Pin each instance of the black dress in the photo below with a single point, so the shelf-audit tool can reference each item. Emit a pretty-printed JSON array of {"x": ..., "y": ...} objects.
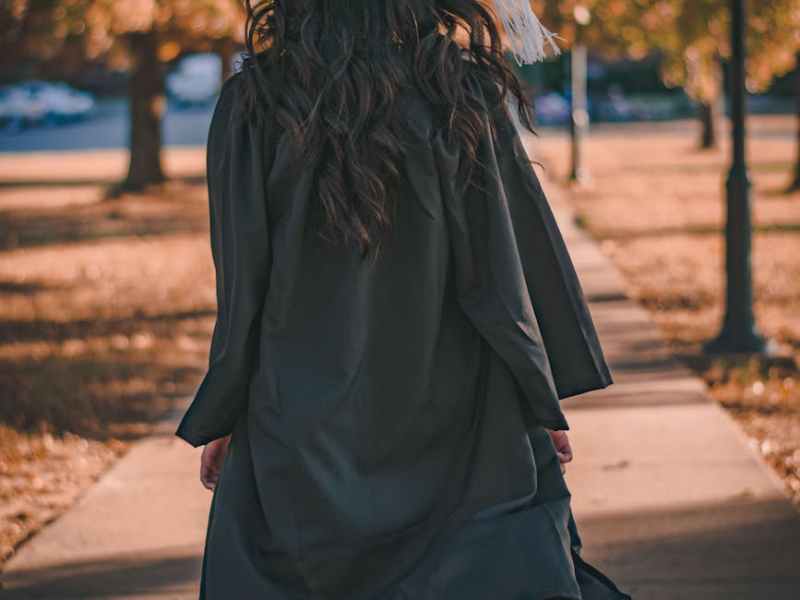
[{"x": 388, "y": 416}]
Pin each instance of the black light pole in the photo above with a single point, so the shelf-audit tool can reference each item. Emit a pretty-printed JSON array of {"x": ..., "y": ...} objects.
[{"x": 739, "y": 332}]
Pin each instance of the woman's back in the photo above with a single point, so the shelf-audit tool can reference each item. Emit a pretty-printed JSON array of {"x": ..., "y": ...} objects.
[{"x": 380, "y": 402}]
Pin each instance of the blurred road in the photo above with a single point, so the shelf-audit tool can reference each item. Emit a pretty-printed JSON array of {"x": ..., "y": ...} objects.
[
  {"x": 188, "y": 127},
  {"x": 108, "y": 129}
]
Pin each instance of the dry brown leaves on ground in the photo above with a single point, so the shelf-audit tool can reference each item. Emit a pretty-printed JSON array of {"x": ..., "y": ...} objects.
[
  {"x": 41, "y": 475},
  {"x": 106, "y": 308}
]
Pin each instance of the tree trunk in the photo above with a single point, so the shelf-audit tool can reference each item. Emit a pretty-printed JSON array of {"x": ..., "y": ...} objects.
[
  {"x": 707, "y": 112},
  {"x": 795, "y": 184},
  {"x": 147, "y": 103},
  {"x": 709, "y": 87}
]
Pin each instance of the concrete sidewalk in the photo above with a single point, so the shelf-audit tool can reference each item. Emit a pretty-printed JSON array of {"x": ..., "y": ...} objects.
[{"x": 670, "y": 499}]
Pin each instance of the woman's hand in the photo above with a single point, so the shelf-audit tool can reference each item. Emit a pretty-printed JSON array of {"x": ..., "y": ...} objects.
[
  {"x": 563, "y": 447},
  {"x": 211, "y": 461}
]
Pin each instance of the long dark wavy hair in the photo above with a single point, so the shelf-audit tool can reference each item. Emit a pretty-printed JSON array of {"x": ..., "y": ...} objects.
[{"x": 330, "y": 73}]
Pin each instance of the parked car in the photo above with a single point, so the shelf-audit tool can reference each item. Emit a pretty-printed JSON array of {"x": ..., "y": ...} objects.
[
  {"x": 195, "y": 80},
  {"x": 615, "y": 107},
  {"x": 18, "y": 109},
  {"x": 551, "y": 109},
  {"x": 31, "y": 103}
]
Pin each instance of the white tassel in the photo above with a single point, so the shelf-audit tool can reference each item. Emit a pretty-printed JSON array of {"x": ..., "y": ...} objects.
[{"x": 526, "y": 34}]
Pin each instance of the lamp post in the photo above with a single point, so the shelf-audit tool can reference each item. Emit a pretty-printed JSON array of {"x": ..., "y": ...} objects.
[
  {"x": 579, "y": 114},
  {"x": 739, "y": 332}
]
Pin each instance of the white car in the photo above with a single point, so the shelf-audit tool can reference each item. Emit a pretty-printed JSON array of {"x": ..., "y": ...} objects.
[
  {"x": 196, "y": 79},
  {"x": 35, "y": 102},
  {"x": 18, "y": 109},
  {"x": 64, "y": 103},
  {"x": 551, "y": 109}
]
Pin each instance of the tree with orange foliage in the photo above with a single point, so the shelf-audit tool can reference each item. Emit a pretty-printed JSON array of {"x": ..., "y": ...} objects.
[
  {"x": 693, "y": 38},
  {"x": 140, "y": 35}
]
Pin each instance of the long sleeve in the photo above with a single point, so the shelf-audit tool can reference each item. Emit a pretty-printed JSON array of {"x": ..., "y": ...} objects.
[
  {"x": 576, "y": 356},
  {"x": 515, "y": 280},
  {"x": 240, "y": 246}
]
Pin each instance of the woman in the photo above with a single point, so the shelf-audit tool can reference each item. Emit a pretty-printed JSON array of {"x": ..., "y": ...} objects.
[{"x": 398, "y": 319}]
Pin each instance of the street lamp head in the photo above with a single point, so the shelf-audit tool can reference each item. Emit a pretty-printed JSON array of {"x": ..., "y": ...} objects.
[{"x": 582, "y": 14}]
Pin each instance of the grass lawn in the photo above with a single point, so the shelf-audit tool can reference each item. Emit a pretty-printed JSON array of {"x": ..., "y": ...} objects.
[
  {"x": 656, "y": 204},
  {"x": 106, "y": 311}
]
